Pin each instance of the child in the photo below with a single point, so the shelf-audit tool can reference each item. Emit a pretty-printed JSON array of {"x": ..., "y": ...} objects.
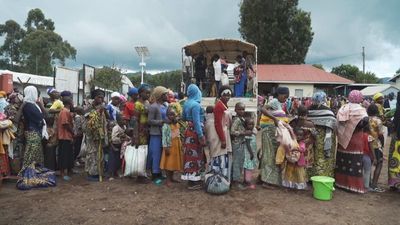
[
  {"x": 238, "y": 132},
  {"x": 78, "y": 133},
  {"x": 368, "y": 157},
  {"x": 172, "y": 158},
  {"x": 294, "y": 173},
  {"x": 250, "y": 159},
  {"x": 118, "y": 136},
  {"x": 65, "y": 138},
  {"x": 210, "y": 131},
  {"x": 50, "y": 145},
  {"x": 376, "y": 133}
]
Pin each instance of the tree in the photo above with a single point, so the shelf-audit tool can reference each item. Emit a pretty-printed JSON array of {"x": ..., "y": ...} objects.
[
  {"x": 169, "y": 79},
  {"x": 37, "y": 49},
  {"x": 10, "y": 50},
  {"x": 281, "y": 31},
  {"x": 107, "y": 78},
  {"x": 42, "y": 46},
  {"x": 319, "y": 66},
  {"x": 347, "y": 71},
  {"x": 352, "y": 72}
]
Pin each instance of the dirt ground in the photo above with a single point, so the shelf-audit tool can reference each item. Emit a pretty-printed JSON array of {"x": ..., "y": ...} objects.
[{"x": 123, "y": 201}]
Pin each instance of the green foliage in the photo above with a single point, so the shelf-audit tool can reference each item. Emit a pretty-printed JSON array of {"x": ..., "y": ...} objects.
[
  {"x": 319, "y": 66},
  {"x": 353, "y": 73},
  {"x": 169, "y": 79},
  {"x": 107, "y": 78},
  {"x": 281, "y": 31},
  {"x": 11, "y": 48},
  {"x": 38, "y": 48}
]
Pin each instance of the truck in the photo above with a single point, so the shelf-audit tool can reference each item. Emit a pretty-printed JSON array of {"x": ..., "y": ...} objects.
[{"x": 229, "y": 50}]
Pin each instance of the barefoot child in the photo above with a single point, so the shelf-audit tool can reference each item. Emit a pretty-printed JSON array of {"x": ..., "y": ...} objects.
[
  {"x": 238, "y": 131},
  {"x": 376, "y": 132},
  {"x": 118, "y": 137},
  {"x": 250, "y": 159},
  {"x": 171, "y": 159}
]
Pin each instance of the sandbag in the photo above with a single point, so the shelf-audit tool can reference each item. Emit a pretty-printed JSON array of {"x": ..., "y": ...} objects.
[
  {"x": 36, "y": 176},
  {"x": 135, "y": 160}
]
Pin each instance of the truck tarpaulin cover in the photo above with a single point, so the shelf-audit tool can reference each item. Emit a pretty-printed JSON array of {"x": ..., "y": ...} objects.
[{"x": 224, "y": 47}]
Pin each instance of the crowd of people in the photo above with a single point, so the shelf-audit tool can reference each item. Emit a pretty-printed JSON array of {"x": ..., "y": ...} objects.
[
  {"x": 211, "y": 75},
  {"x": 299, "y": 140}
]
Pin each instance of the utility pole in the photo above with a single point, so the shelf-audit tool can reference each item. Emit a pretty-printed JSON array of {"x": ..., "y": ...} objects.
[{"x": 363, "y": 55}]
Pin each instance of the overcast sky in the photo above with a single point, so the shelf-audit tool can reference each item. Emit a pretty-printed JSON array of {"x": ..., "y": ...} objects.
[{"x": 105, "y": 31}]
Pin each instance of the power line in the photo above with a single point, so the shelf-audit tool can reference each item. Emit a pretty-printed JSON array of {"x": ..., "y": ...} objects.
[{"x": 334, "y": 58}]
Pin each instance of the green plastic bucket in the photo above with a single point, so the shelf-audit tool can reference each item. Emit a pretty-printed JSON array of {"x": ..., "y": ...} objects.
[{"x": 323, "y": 187}]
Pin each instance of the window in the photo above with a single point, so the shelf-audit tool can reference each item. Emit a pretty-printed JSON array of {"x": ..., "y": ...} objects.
[{"x": 298, "y": 93}]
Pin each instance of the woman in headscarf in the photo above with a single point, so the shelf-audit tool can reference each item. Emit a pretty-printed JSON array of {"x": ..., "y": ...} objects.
[
  {"x": 113, "y": 106},
  {"x": 220, "y": 145},
  {"x": 352, "y": 119},
  {"x": 193, "y": 159},
  {"x": 95, "y": 129},
  {"x": 394, "y": 151},
  {"x": 33, "y": 122},
  {"x": 156, "y": 117},
  {"x": 272, "y": 113},
  {"x": 323, "y": 159}
]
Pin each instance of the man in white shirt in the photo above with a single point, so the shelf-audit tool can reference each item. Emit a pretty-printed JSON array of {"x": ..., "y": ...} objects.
[{"x": 217, "y": 70}]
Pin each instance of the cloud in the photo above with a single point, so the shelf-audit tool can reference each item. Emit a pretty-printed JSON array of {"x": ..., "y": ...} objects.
[
  {"x": 343, "y": 27},
  {"x": 105, "y": 31}
]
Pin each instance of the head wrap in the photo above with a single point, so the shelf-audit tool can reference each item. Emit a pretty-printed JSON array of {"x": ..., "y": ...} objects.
[
  {"x": 158, "y": 92},
  {"x": 133, "y": 91},
  {"x": 122, "y": 98},
  {"x": 3, "y": 94},
  {"x": 194, "y": 93},
  {"x": 65, "y": 94},
  {"x": 31, "y": 94},
  {"x": 115, "y": 94},
  {"x": 97, "y": 92},
  {"x": 143, "y": 87},
  {"x": 319, "y": 98},
  {"x": 282, "y": 91},
  {"x": 51, "y": 90},
  {"x": 224, "y": 90},
  {"x": 356, "y": 96},
  {"x": 377, "y": 96}
]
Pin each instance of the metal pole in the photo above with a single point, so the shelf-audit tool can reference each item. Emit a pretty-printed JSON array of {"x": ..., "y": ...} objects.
[
  {"x": 142, "y": 64},
  {"x": 363, "y": 55}
]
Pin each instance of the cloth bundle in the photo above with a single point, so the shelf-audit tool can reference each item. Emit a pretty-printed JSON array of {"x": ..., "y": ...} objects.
[{"x": 36, "y": 176}]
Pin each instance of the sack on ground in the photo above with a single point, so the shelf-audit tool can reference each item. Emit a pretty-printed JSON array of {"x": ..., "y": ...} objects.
[
  {"x": 135, "y": 160},
  {"x": 36, "y": 176},
  {"x": 216, "y": 183}
]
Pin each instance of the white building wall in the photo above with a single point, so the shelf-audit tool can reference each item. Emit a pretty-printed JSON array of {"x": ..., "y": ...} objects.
[{"x": 307, "y": 90}]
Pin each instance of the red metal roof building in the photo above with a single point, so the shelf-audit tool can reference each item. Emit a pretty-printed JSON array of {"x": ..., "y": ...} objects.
[{"x": 302, "y": 80}]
